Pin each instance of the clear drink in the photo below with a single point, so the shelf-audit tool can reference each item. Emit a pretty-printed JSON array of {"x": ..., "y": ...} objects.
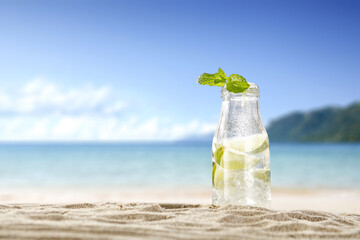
[{"x": 241, "y": 154}]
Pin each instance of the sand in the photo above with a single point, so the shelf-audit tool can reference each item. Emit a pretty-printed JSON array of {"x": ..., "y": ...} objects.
[
  {"x": 170, "y": 221},
  {"x": 111, "y": 213},
  {"x": 332, "y": 200}
]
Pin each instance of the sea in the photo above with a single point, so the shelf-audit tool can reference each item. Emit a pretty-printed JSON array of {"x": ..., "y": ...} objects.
[{"x": 168, "y": 164}]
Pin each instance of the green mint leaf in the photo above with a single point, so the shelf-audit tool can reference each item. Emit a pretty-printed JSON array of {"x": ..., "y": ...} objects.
[
  {"x": 211, "y": 79},
  {"x": 222, "y": 73},
  {"x": 236, "y": 78},
  {"x": 236, "y": 83}
]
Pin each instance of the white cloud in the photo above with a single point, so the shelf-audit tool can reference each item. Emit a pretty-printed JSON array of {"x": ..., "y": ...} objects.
[
  {"x": 4, "y": 101},
  {"x": 115, "y": 108},
  {"x": 44, "y": 111},
  {"x": 73, "y": 128},
  {"x": 41, "y": 96}
]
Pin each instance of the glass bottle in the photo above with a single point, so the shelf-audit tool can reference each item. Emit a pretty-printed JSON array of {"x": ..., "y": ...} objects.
[{"x": 241, "y": 152}]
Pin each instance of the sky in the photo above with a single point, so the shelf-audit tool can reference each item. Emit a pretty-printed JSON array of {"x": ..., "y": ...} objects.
[{"x": 127, "y": 70}]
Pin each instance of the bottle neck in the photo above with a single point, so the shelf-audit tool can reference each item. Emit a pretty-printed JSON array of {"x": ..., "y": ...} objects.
[
  {"x": 242, "y": 110},
  {"x": 240, "y": 116}
]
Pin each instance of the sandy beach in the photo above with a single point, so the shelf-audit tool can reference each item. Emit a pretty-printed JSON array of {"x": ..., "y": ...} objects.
[
  {"x": 80, "y": 213},
  {"x": 333, "y": 200},
  {"x": 170, "y": 221}
]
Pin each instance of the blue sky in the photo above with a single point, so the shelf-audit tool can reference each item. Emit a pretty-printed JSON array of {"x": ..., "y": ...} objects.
[{"x": 126, "y": 70}]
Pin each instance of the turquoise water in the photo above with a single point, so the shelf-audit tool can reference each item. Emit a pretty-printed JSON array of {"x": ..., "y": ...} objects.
[{"x": 168, "y": 164}]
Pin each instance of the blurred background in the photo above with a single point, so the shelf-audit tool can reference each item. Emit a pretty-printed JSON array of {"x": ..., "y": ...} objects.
[{"x": 99, "y": 99}]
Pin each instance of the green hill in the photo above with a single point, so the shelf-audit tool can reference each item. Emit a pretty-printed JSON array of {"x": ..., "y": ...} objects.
[{"x": 323, "y": 125}]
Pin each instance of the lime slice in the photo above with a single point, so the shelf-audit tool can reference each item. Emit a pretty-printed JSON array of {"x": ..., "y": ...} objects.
[
  {"x": 235, "y": 160},
  {"x": 264, "y": 146},
  {"x": 252, "y": 144},
  {"x": 237, "y": 154},
  {"x": 218, "y": 145},
  {"x": 218, "y": 154},
  {"x": 213, "y": 172},
  {"x": 218, "y": 177},
  {"x": 262, "y": 174}
]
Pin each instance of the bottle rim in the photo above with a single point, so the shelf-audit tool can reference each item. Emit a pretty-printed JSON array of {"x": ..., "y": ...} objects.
[{"x": 252, "y": 91}]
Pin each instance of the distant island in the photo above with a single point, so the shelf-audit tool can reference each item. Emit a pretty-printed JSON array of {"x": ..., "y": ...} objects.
[{"x": 330, "y": 124}]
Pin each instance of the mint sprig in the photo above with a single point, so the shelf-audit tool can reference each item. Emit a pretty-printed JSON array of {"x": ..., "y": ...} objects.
[{"x": 234, "y": 83}]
